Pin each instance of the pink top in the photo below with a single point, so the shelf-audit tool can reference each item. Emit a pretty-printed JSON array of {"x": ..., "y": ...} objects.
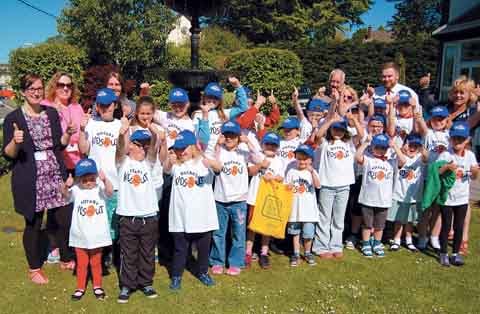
[{"x": 74, "y": 113}]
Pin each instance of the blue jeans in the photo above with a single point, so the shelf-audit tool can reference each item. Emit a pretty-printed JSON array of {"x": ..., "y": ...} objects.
[
  {"x": 328, "y": 234},
  {"x": 236, "y": 213}
]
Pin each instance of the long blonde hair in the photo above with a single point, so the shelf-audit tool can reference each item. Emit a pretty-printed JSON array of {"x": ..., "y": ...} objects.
[
  {"x": 465, "y": 85},
  {"x": 52, "y": 88}
]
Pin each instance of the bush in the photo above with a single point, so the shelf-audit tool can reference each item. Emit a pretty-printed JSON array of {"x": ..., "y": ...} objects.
[
  {"x": 159, "y": 92},
  {"x": 266, "y": 70},
  {"x": 4, "y": 164},
  {"x": 46, "y": 59}
]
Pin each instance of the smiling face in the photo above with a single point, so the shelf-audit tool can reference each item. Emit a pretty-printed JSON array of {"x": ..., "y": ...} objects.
[
  {"x": 212, "y": 102},
  {"x": 404, "y": 110},
  {"x": 389, "y": 78},
  {"x": 34, "y": 93},
  {"x": 337, "y": 133},
  {"x": 106, "y": 112},
  {"x": 114, "y": 83},
  {"x": 179, "y": 109},
  {"x": 63, "y": 91},
  {"x": 303, "y": 161},
  {"x": 375, "y": 127},
  {"x": 411, "y": 149},
  {"x": 458, "y": 143},
  {"x": 460, "y": 97},
  {"x": 269, "y": 149},
  {"x": 138, "y": 150},
  {"x": 336, "y": 81},
  {"x": 231, "y": 140},
  {"x": 379, "y": 151},
  {"x": 290, "y": 134},
  {"x": 144, "y": 114},
  {"x": 314, "y": 117},
  {"x": 184, "y": 154},
  {"x": 88, "y": 181},
  {"x": 438, "y": 123}
]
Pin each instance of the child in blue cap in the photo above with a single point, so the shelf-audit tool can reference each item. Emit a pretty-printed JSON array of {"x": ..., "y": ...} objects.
[
  {"x": 137, "y": 211},
  {"x": 89, "y": 231},
  {"x": 463, "y": 163},
  {"x": 316, "y": 111}
]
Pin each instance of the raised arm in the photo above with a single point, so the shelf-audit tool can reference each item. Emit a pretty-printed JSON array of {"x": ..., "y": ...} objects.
[
  {"x": 108, "y": 185},
  {"x": 360, "y": 154},
  {"x": 152, "y": 149},
  {"x": 122, "y": 141},
  {"x": 296, "y": 104},
  {"x": 392, "y": 119},
  {"x": 401, "y": 158},
  {"x": 83, "y": 144}
]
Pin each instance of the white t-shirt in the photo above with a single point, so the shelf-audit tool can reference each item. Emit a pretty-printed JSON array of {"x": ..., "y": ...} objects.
[
  {"x": 306, "y": 130},
  {"x": 89, "y": 228},
  {"x": 336, "y": 163},
  {"x": 275, "y": 168},
  {"x": 136, "y": 194},
  {"x": 460, "y": 192},
  {"x": 231, "y": 185},
  {"x": 286, "y": 152},
  {"x": 403, "y": 124},
  {"x": 377, "y": 182},
  {"x": 214, "y": 125},
  {"x": 436, "y": 142},
  {"x": 304, "y": 203},
  {"x": 192, "y": 204},
  {"x": 172, "y": 125},
  {"x": 408, "y": 180},
  {"x": 103, "y": 138}
]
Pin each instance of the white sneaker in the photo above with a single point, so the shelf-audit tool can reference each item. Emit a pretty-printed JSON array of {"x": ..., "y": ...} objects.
[
  {"x": 435, "y": 243},
  {"x": 351, "y": 243}
]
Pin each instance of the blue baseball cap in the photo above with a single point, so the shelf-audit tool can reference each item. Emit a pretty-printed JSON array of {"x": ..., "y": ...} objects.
[
  {"x": 340, "y": 125},
  {"x": 380, "y": 103},
  {"x": 184, "y": 138},
  {"x": 439, "y": 111},
  {"x": 213, "y": 90},
  {"x": 140, "y": 136},
  {"x": 85, "y": 166},
  {"x": 378, "y": 117},
  {"x": 231, "y": 127},
  {"x": 460, "y": 129},
  {"x": 305, "y": 149},
  {"x": 414, "y": 138},
  {"x": 290, "y": 123},
  {"x": 381, "y": 140},
  {"x": 404, "y": 97},
  {"x": 105, "y": 97},
  {"x": 178, "y": 95},
  {"x": 271, "y": 138},
  {"x": 317, "y": 105}
]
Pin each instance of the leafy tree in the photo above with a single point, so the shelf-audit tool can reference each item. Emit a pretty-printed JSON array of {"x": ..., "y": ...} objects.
[
  {"x": 359, "y": 35},
  {"x": 45, "y": 60},
  {"x": 415, "y": 17},
  {"x": 128, "y": 33},
  {"x": 266, "y": 21}
]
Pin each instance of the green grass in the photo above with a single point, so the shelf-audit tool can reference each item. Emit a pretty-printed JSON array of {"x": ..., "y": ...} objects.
[{"x": 402, "y": 282}]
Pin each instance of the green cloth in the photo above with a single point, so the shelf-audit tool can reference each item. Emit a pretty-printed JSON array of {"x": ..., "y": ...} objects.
[{"x": 436, "y": 185}]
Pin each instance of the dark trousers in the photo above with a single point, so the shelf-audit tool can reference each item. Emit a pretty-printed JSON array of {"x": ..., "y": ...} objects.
[
  {"x": 58, "y": 224},
  {"x": 182, "y": 242},
  {"x": 138, "y": 238},
  {"x": 459, "y": 212}
]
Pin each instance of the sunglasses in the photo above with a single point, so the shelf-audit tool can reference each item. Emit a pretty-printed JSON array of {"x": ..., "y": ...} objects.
[
  {"x": 63, "y": 85},
  {"x": 349, "y": 97}
]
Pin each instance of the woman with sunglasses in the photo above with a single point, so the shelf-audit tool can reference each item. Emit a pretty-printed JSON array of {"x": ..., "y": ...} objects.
[{"x": 34, "y": 142}]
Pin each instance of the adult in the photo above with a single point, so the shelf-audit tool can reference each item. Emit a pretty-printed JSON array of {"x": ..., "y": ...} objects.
[
  {"x": 62, "y": 94},
  {"x": 114, "y": 81},
  {"x": 33, "y": 141},
  {"x": 336, "y": 83}
]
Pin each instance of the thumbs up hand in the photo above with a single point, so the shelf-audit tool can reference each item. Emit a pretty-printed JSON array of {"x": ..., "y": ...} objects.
[
  {"x": 85, "y": 119},
  {"x": 17, "y": 134}
]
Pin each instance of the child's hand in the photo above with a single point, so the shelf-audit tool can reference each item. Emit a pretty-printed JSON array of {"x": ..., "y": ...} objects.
[
  {"x": 261, "y": 100},
  {"x": 221, "y": 140},
  {"x": 271, "y": 98},
  {"x": 204, "y": 107},
  {"x": 102, "y": 176},
  {"x": 17, "y": 134},
  {"x": 86, "y": 117},
  {"x": 295, "y": 95},
  {"x": 321, "y": 91},
  {"x": 161, "y": 135},
  {"x": 370, "y": 90},
  {"x": 268, "y": 177},
  {"x": 69, "y": 182},
  {"x": 172, "y": 157},
  {"x": 369, "y": 138},
  {"x": 243, "y": 139},
  {"x": 278, "y": 178},
  {"x": 125, "y": 124},
  {"x": 235, "y": 82},
  {"x": 418, "y": 115}
]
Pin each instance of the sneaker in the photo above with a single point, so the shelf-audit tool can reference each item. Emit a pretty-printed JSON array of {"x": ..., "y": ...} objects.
[
  {"x": 412, "y": 247},
  {"x": 206, "y": 280},
  {"x": 367, "y": 249},
  {"x": 444, "y": 260},
  {"x": 217, "y": 269},
  {"x": 124, "y": 295},
  {"x": 310, "y": 258},
  {"x": 248, "y": 260},
  {"x": 149, "y": 292},
  {"x": 264, "y": 261},
  {"x": 175, "y": 283},
  {"x": 378, "y": 249},
  {"x": 294, "y": 260},
  {"x": 351, "y": 242},
  {"x": 435, "y": 243},
  {"x": 422, "y": 243},
  {"x": 233, "y": 271},
  {"x": 53, "y": 256},
  {"x": 457, "y": 260}
]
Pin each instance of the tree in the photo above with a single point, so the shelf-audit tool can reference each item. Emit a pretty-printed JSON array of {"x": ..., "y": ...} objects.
[
  {"x": 415, "y": 17},
  {"x": 359, "y": 36},
  {"x": 266, "y": 21},
  {"x": 128, "y": 33}
]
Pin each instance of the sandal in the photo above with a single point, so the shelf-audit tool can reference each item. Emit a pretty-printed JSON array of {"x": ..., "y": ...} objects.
[
  {"x": 394, "y": 247},
  {"x": 412, "y": 247},
  {"x": 367, "y": 251},
  {"x": 99, "y": 293},
  {"x": 463, "y": 248},
  {"x": 37, "y": 276},
  {"x": 77, "y": 295}
]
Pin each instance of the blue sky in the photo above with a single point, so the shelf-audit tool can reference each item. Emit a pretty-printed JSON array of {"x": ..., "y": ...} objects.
[{"x": 21, "y": 24}]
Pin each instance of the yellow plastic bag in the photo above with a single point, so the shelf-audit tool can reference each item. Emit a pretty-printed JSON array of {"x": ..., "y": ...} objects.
[{"x": 272, "y": 209}]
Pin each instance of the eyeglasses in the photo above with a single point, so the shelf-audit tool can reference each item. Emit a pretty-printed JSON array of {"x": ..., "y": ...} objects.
[
  {"x": 32, "y": 90},
  {"x": 63, "y": 85}
]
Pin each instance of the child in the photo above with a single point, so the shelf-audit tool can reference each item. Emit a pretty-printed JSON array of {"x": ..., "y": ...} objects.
[
  {"x": 407, "y": 191},
  {"x": 336, "y": 175},
  {"x": 192, "y": 214},
  {"x": 270, "y": 169},
  {"x": 316, "y": 111},
  {"x": 463, "y": 162},
  {"x": 289, "y": 143},
  {"x": 436, "y": 142},
  {"x": 401, "y": 119},
  {"x": 376, "y": 191},
  {"x": 89, "y": 231},
  {"x": 137, "y": 211},
  {"x": 304, "y": 180},
  {"x": 231, "y": 190}
]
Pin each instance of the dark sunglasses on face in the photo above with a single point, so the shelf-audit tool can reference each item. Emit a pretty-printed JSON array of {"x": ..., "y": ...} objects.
[{"x": 63, "y": 85}]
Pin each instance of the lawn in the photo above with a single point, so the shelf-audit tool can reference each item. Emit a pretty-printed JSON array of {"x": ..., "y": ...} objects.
[{"x": 402, "y": 282}]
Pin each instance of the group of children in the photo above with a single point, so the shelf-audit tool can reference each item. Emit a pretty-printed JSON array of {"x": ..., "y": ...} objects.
[{"x": 210, "y": 168}]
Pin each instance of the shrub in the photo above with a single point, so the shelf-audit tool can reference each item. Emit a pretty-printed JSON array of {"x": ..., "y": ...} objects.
[{"x": 159, "y": 92}]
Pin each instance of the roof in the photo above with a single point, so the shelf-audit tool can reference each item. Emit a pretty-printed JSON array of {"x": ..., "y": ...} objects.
[
  {"x": 379, "y": 35},
  {"x": 463, "y": 27}
]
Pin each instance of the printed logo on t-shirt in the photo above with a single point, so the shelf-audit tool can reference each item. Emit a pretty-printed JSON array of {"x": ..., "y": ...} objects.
[
  {"x": 461, "y": 174},
  {"x": 407, "y": 174},
  {"x": 301, "y": 186},
  {"x": 215, "y": 128},
  {"x": 233, "y": 168},
  {"x": 104, "y": 139},
  {"x": 338, "y": 152},
  {"x": 379, "y": 173},
  {"x": 189, "y": 179},
  {"x": 287, "y": 152},
  {"x": 135, "y": 177},
  {"x": 173, "y": 131},
  {"x": 90, "y": 208}
]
